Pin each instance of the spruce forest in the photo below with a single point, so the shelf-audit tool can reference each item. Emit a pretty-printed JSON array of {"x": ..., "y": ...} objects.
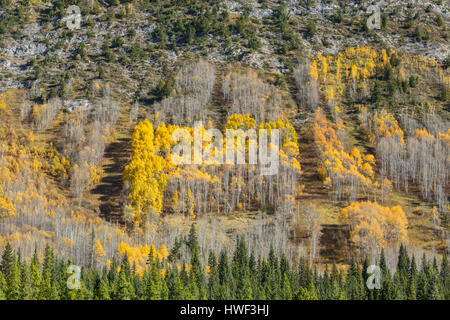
[{"x": 118, "y": 117}]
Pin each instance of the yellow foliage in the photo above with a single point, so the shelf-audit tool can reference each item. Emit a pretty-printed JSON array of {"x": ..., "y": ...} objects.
[
  {"x": 60, "y": 166},
  {"x": 139, "y": 255},
  {"x": 95, "y": 174},
  {"x": 99, "y": 252},
  {"x": 7, "y": 207},
  {"x": 374, "y": 226},
  {"x": 313, "y": 71},
  {"x": 152, "y": 168},
  {"x": 146, "y": 172},
  {"x": 68, "y": 242},
  {"x": 163, "y": 252},
  {"x": 2, "y": 105},
  {"x": 342, "y": 170},
  {"x": 385, "y": 125},
  {"x": 190, "y": 200},
  {"x": 347, "y": 67}
]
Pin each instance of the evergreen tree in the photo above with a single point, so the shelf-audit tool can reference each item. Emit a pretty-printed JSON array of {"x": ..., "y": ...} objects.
[
  {"x": 164, "y": 290},
  {"x": 152, "y": 283},
  {"x": 241, "y": 277},
  {"x": 192, "y": 291},
  {"x": 179, "y": 291},
  {"x": 47, "y": 288},
  {"x": 423, "y": 280},
  {"x": 65, "y": 292},
  {"x": 225, "y": 277},
  {"x": 369, "y": 293},
  {"x": 196, "y": 266},
  {"x": 387, "y": 291},
  {"x": 104, "y": 290},
  {"x": 214, "y": 281},
  {"x": 411, "y": 293},
  {"x": 287, "y": 291},
  {"x": 171, "y": 281},
  {"x": 123, "y": 287},
  {"x": 14, "y": 283},
  {"x": 26, "y": 289},
  {"x": 125, "y": 265},
  {"x": 445, "y": 277},
  {"x": 412, "y": 273},
  {"x": 401, "y": 279},
  {"x": 241, "y": 271},
  {"x": 433, "y": 288},
  {"x": 35, "y": 280},
  {"x": 112, "y": 272},
  {"x": 48, "y": 265},
  {"x": 305, "y": 294},
  {"x": 336, "y": 289},
  {"x": 7, "y": 260},
  {"x": 138, "y": 284},
  {"x": 354, "y": 282},
  {"x": 403, "y": 260},
  {"x": 3, "y": 287}
]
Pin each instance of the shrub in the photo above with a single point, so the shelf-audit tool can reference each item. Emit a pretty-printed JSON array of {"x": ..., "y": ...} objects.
[
  {"x": 311, "y": 29},
  {"x": 164, "y": 88},
  {"x": 254, "y": 43},
  {"x": 384, "y": 21}
]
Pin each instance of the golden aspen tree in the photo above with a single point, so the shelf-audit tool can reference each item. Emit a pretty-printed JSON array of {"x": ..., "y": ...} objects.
[
  {"x": 314, "y": 74},
  {"x": 95, "y": 174},
  {"x": 373, "y": 226},
  {"x": 145, "y": 173},
  {"x": 175, "y": 201},
  {"x": 3, "y": 105},
  {"x": 98, "y": 251},
  {"x": 7, "y": 208},
  {"x": 347, "y": 174}
]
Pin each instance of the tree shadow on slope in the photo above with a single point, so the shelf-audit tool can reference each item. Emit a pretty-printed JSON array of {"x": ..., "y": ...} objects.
[{"x": 110, "y": 188}]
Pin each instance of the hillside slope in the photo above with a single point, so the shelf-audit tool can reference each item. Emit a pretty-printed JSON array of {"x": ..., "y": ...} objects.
[{"x": 82, "y": 92}]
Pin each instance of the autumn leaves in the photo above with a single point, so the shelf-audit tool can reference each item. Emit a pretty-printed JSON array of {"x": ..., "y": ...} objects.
[
  {"x": 349, "y": 175},
  {"x": 158, "y": 183},
  {"x": 147, "y": 172},
  {"x": 413, "y": 154},
  {"x": 412, "y": 157},
  {"x": 374, "y": 226},
  {"x": 7, "y": 208},
  {"x": 220, "y": 175}
]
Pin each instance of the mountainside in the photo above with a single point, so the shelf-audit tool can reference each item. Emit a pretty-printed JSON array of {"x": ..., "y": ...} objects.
[{"x": 87, "y": 116}]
